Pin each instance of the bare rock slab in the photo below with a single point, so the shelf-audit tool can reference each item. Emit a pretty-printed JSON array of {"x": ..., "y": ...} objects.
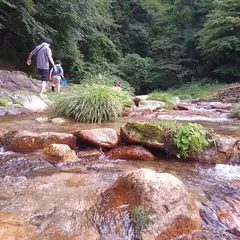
[
  {"x": 99, "y": 137},
  {"x": 175, "y": 211}
]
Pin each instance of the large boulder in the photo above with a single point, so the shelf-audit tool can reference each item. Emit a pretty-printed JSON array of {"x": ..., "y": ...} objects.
[
  {"x": 14, "y": 228},
  {"x": 56, "y": 153},
  {"x": 150, "y": 105},
  {"x": 222, "y": 149},
  {"x": 174, "y": 210},
  {"x": 142, "y": 133},
  {"x": 100, "y": 137},
  {"x": 131, "y": 153},
  {"x": 21, "y": 141},
  {"x": 139, "y": 98}
]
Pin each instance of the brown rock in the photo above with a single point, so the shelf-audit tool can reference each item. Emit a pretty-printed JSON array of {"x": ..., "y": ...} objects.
[
  {"x": 127, "y": 111},
  {"x": 139, "y": 98},
  {"x": 21, "y": 141},
  {"x": 182, "y": 107},
  {"x": 14, "y": 228},
  {"x": 136, "y": 137},
  {"x": 229, "y": 219},
  {"x": 175, "y": 211},
  {"x": 131, "y": 153},
  {"x": 2, "y": 132},
  {"x": 56, "y": 153},
  {"x": 221, "y": 150},
  {"x": 100, "y": 137},
  {"x": 90, "y": 154}
]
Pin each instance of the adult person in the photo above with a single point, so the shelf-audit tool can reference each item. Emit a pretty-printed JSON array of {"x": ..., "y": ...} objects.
[{"x": 43, "y": 53}]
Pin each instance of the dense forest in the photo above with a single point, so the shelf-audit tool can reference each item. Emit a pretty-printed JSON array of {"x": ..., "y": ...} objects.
[{"x": 153, "y": 44}]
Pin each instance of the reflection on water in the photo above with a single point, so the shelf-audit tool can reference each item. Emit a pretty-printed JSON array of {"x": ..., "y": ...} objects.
[{"x": 70, "y": 201}]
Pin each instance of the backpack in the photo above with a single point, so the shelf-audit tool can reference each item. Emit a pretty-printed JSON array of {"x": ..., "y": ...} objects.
[{"x": 59, "y": 70}]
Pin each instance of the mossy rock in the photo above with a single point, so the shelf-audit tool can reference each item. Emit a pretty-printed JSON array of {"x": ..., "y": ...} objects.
[{"x": 148, "y": 134}]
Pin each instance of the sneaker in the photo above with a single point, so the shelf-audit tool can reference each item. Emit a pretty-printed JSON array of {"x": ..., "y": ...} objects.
[{"x": 53, "y": 88}]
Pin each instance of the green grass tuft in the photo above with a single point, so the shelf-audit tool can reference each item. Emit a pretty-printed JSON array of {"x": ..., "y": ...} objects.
[
  {"x": 235, "y": 112},
  {"x": 4, "y": 102},
  {"x": 89, "y": 103},
  {"x": 164, "y": 97}
]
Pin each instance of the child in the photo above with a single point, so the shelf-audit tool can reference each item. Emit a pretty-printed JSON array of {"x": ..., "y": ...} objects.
[
  {"x": 55, "y": 76},
  {"x": 118, "y": 84}
]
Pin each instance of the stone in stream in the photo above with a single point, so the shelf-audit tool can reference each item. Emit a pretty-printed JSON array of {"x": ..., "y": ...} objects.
[
  {"x": 131, "y": 153},
  {"x": 22, "y": 141},
  {"x": 92, "y": 154},
  {"x": 220, "y": 150},
  {"x": 100, "y": 137},
  {"x": 142, "y": 133},
  {"x": 2, "y": 132},
  {"x": 14, "y": 228},
  {"x": 174, "y": 210},
  {"x": 56, "y": 153}
]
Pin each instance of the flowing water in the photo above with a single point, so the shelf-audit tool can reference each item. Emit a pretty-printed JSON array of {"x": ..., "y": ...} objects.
[{"x": 72, "y": 201}]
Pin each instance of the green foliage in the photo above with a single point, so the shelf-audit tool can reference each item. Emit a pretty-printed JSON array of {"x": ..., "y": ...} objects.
[
  {"x": 235, "y": 112},
  {"x": 190, "y": 138},
  {"x": 136, "y": 71},
  {"x": 88, "y": 103},
  {"x": 201, "y": 89},
  {"x": 3, "y": 102},
  {"x": 140, "y": 218},
  {"x": 220, "y": 37}
]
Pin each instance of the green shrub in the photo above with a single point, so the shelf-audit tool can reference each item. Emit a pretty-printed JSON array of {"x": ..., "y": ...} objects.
[
  {"x": 190, "y": 138},
  {"x": 3, "y": 102},
  {"x": 140, "y": 218},
  {"x": 89, "y": 103},
  {"x": 235, "y": 112}
]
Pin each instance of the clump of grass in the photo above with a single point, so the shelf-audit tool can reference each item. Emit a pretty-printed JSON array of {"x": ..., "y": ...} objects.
[
  {"x": 201, "y": 89},
  {"x": 140, "y": 218},
  {"x": 4, "y": 102},
  {"x": 124, "y": 97},
  {"x": 235, "y": 112},
  {"x": 88, "y": 103},
  {"x": 165, "y": 97}
]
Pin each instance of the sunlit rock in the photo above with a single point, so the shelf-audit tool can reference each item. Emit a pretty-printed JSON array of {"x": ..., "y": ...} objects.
[
  {"x": 131, "y": 153},
  {"x": 42, "y": 119},
  {"x": 174, "y": 210},
  {"x": 150, "y": 105},
  {"x": 142, "y": 133},
  {"x": 56, "y": 153},
  {"x": 100, "y": 137},
  {"x": 21, "y": 141},
  {"x": 14, "y": 228},
  {"x": 127, "y": 111},
  {"x": 59, "y": 120}
]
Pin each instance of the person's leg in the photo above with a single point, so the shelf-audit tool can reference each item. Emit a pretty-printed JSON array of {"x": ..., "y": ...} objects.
[
  {"x": 44, "y": 77},
  {"x": 58, "y": 80}
]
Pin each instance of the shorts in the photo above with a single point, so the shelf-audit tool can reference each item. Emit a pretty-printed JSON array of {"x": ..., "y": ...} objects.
[
  {"x": 56, "y": 79},
  {"x": 44, "y": 74}
]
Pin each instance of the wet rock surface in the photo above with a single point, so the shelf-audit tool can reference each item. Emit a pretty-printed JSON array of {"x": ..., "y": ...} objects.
[
  {"x": 21, "y": 141},
  {"x": 131, "y": 153},
  {"x": 175, "y": 211},
  {"x": 101, "y": 137},
  {"x": 56, "y": 153}
]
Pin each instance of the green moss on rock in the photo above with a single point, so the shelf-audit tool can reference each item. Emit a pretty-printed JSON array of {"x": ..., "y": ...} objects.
[{"x": 148, "y": 131}]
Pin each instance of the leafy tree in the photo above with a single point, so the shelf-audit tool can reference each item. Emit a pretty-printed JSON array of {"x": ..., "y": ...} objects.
[
  {"x": 136, "y": 70},
  {"x": 220, "y": 38}
]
